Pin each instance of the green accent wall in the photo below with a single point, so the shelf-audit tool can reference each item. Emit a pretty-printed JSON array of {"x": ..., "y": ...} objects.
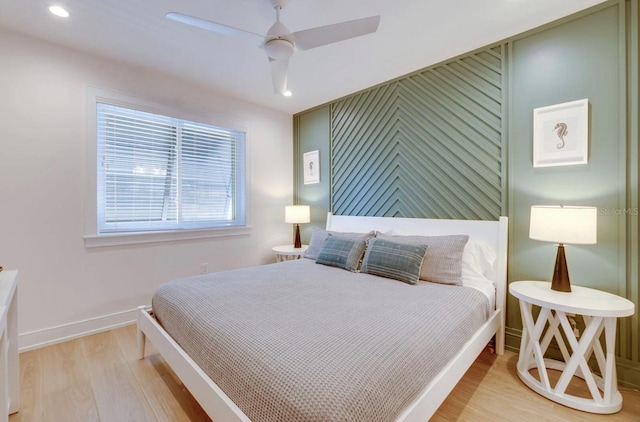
[
  {"x": 579, "y": 59},
  {"x": 428, "y": 145},
  {"x": 313, "y": 126},
  {"x": 455, "y": 141}
]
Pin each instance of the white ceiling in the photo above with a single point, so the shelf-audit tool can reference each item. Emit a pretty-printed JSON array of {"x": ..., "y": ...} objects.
[{"x": 413, "y": 34}]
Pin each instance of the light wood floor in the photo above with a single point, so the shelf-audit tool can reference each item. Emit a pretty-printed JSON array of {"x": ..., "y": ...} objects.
[{"x": 99, "y": 378}]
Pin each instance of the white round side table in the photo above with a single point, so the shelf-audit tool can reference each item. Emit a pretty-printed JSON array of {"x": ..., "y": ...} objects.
[
  {"x": 288, "y": 252},
  {"x": 599, "y": 311}
]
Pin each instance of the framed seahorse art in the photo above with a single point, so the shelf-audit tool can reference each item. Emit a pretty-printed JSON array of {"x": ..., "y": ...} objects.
[
  {"x": 311, "y": 167},
  {"x": 561, "y": 134}
]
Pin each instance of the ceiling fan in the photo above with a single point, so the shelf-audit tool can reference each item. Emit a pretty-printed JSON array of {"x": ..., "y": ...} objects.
[{"x": 279, "y": 43}]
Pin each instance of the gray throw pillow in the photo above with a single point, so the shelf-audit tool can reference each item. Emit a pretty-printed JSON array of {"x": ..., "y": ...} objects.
[
  {"x": 399, "y": 261},
  {"x": 443, "y": 260},
  {"x": 342, "y": 252},
  {"x": 318, "y": 236}
]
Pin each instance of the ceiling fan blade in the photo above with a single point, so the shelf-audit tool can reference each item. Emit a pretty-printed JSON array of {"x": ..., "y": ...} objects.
[
  {"x": 215, "y": 27},
  {"x": 323, "y": 35},
  {"x": 279, "y": 74}
]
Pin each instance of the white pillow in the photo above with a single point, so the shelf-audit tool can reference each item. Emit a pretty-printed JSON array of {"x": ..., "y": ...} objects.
[{"x": 478, "y": 259}]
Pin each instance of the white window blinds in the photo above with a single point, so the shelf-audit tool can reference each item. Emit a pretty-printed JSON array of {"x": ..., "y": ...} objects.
[{"x": 159, "y": 173}]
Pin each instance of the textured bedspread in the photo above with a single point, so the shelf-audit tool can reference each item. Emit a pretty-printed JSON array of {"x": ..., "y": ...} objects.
[{"x": 298, "y": 341}]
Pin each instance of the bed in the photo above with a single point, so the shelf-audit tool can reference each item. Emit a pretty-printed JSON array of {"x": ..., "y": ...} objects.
[{"x": 302, "y": 341}]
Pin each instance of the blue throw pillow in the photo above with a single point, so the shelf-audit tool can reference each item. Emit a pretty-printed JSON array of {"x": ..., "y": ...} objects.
[
  {"x": 399, "y": 261},
  {"x": 342, "y": 252}
]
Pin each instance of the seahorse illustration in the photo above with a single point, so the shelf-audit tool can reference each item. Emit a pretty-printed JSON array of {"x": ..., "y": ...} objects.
[{"x": 562, "y": 132}]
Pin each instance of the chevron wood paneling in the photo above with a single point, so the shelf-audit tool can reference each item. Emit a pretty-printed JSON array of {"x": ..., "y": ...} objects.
[{"x": 427, "y": 145}]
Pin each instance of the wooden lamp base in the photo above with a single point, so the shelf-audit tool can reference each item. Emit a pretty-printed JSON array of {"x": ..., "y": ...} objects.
[
  {"x": 297, "y": 243},
  {"x": 560, "y": 281}
]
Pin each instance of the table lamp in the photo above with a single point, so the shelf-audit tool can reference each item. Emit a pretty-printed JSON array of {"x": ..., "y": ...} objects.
[
  {"x": 563, "y": 224},
  {"x": 297, "y": 214}
]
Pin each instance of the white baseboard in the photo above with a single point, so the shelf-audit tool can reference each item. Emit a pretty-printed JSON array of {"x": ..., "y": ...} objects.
[{"x": 61, "y": 333}]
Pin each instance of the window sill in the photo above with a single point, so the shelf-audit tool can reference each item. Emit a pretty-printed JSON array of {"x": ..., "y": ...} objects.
[{"x": 94, "y": 241}]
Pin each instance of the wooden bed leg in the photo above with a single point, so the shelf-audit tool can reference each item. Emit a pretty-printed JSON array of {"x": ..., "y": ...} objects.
[{"x": 140, "y": 335}]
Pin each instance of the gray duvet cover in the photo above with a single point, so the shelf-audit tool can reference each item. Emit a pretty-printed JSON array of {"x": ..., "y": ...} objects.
[{"x": 299, "y": 341}]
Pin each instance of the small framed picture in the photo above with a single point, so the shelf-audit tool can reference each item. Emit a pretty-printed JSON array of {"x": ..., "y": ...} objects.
[
  {"x": 561, "y": 134},
  {"x": 311, "y": 163}
]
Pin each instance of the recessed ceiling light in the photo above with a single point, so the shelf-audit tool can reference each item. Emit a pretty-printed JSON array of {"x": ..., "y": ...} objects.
[
  {"x": 59, "y": 11},
  {"x": 287, "y": 93}
]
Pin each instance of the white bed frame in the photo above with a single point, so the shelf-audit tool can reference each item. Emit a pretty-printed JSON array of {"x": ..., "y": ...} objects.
[{"x": 219, "y": 407}]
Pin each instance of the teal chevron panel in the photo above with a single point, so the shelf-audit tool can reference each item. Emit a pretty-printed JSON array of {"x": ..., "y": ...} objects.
[{"x": 427, "y": 145}]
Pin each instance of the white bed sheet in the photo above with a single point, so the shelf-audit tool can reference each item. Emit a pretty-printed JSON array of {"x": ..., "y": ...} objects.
[{"x": 483, "y": 285}]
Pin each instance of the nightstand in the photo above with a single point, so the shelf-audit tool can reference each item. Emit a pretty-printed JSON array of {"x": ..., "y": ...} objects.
[
  {"x": 599, "y": 311},
  {"x": 288, "y": 252}
]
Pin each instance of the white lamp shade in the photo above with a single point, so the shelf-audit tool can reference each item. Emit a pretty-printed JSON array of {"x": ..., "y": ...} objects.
[
  {"x": 297, "y": 214},
  {"x": 564, "y": 224}
]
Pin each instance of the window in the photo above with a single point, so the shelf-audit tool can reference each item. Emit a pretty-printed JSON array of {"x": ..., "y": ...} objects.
[{"x": 158, "y": 173}]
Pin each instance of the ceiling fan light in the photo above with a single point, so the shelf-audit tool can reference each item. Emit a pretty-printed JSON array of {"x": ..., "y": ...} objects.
[
  {"x": 59, "y": 11},
  {"x": 287, "y": 93},
  {"x": 278, "y": 49}
]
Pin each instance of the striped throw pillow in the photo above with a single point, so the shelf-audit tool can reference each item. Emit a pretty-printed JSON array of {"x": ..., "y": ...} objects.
[
  {"x": 342, "y": 252},
  {"x": 399, "y": 261}
]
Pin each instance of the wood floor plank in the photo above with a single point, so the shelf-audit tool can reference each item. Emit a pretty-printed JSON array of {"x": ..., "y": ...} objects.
[
  {"x": 491, "y": 390},
  {"x": 150, "y": 367},
  {"x": 66, "y": 387},
  {"x": 170, "y": 400},
  {"x": 30, "y": 387},
  {"x": 118, "y": 395},
  {"x": 102, "y": 372}
]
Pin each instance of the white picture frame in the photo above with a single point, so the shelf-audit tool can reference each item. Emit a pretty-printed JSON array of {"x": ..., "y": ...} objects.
[
  {"x": 311, "y": 167},
  {"x": 561, "y": 134}
]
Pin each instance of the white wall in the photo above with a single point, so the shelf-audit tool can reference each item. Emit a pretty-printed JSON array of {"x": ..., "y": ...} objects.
[{"x": 66, "y": 290}]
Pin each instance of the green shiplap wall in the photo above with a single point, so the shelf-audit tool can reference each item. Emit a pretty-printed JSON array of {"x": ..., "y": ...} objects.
[
  {"x": 428, "y": 145},
  {"x": 455, "y": 141}
]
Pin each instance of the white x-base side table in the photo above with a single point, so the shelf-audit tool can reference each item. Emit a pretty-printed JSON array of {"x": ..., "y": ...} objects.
[
  {"x": 599, "y": 311},
  {"x": 288, "y": 252}
]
